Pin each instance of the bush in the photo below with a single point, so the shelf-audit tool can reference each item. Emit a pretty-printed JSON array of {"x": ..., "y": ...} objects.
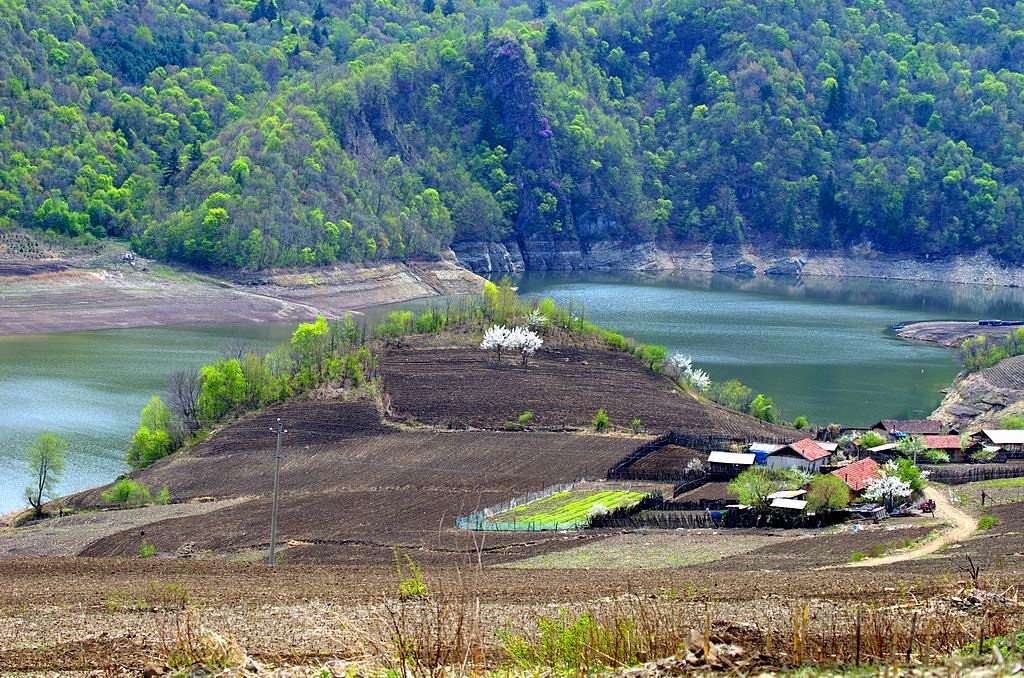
[
  {"x": 987, "y": 522},
  {"x": 163, "y": 497},
  {"x": 636, "y": 425},
  {"x": 600, "y": 420},
  {"x": 411, "y": 583},
  {"x": 871, "y": 439},
  {"x": 525, "y": 418},
  {"x": 616, "y": 341},
  {"x": 127, "y": 492},
  {"x": 858, "y": 556},
  {"x": 146, "y": 550},
  {"x": 827, "y": 493},
  {"x": 985, "y": 455},
  {"x": 801, "y": 423},
  {"x": 936, "y": 457}
]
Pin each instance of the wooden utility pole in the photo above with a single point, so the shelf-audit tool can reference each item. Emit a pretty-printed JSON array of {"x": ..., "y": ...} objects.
[{"x": 280, "y": 431}]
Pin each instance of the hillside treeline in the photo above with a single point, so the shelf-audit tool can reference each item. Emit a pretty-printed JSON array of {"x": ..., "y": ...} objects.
[{"x": 281, "y": 132}]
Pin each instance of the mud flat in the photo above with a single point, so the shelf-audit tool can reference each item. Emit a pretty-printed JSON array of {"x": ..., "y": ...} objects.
[
  {"x": 37, "y": 299},
  {"x": 952, "y": 333}
]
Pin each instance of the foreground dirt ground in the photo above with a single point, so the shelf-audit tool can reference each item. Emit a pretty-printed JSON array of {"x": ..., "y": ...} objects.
[{"x": 79, "y": 615}]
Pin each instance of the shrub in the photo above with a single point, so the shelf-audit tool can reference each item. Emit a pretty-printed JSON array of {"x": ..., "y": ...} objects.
[
  {"x": 636, "y": 425},
  {"x": 987, "y": 522},
  {"x": 801, "y": 423},
  {"x": 163, "y": 497},
  {"x": 600, "y": 420},
  {"x": 525, "y": 418},
  {"x": 871, "y": 439},
  {"x": 616, "y": 341},
  {"x": 127, "y": 492},
  {"x": 985, "y": 454},
  {"x": 146, "y": 550},
  {"x": 936, "y": 457},
  {"x": 876, "y": 551},
  {"x": 411, "y": 583},
  {"x": 828, "y": 493},
  {"x": 858, "y": 556}
]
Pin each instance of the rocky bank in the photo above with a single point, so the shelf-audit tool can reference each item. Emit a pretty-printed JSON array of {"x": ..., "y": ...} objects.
[
  {"x": 983, "y": 399},
  {"x": 748, "y": 259}
]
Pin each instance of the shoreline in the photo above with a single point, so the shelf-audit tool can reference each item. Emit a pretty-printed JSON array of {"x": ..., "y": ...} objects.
[
  {"x": 123, "y": 295},
  {"x": 742, "y": 260}
]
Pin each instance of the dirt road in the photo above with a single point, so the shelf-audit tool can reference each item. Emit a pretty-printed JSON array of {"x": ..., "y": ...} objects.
[{"x": 963, "y": 527}]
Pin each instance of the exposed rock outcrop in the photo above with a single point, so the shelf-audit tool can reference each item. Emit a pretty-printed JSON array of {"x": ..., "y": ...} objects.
[
  {"x": 489, "y": 257},
  {"x": 791, "y": 266}
]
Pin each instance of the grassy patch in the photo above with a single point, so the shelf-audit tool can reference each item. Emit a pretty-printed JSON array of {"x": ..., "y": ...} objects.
[
  {"x": 987, "y": 522},
  {"x": 1001, "y": 483},
  {"x": 656, "y": 549}
]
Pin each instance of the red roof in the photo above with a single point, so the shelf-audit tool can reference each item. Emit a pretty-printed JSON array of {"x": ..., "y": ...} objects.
[
  {"x": 859, "y": 474},
  {"x": 808, "y": 449},
  {"x": 942, "y": 442}
]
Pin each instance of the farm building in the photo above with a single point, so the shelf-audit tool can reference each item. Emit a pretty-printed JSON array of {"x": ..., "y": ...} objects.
[
  {"x": 762, "y": 450},
  {"x": 732, "y": 463},
  {"x": 1008, "y": 439},
  {"x": 948, "y": 444},
  {"x": 804, "y": 454},
  {"x": 858, "y": 475},
  {"x": 901, "y": 427}
]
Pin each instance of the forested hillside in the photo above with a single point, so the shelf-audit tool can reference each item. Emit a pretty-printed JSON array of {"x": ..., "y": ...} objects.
[{"x": 282, "y": 132}]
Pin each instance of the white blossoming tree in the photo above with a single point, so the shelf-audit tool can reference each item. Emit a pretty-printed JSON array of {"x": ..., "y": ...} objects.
[
  {"x": 525, "y": 341},
  {"x": 888, "y": 489},
  {"x": 495, "y": 339},
  {"x": 679, "y": 365},
  {"x": 537, "y": 321},
  {"x": 699, "y": 380}
]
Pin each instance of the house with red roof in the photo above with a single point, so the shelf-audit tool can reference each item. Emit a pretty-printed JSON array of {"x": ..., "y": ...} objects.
[
  {"x": 858, "y": 475},
  {"x": 804, "y": 454}
]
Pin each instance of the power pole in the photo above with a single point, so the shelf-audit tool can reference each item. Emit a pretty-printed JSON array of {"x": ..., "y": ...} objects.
[{"x": 280, "y": 431}]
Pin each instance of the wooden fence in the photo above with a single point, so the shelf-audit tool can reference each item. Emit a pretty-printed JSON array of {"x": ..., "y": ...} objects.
[{"x": 978, "y": 473}]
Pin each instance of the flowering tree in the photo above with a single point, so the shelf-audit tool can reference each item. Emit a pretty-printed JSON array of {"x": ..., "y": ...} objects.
[
  {"x": 699, "y": 380},
  {"x": 681, "y": 367},
  {"x": 495, "y": 339},
  {"x": 890, "y": 486},
  {"x": 525, "y": 341},
  {"x": 537, "y": 320}
]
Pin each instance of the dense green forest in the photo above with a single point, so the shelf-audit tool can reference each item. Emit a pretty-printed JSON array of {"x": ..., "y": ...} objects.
[{"x": 283, "y": 132}]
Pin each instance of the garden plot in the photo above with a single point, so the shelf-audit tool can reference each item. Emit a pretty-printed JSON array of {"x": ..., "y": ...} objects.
[{"x": 564, "y": 510}]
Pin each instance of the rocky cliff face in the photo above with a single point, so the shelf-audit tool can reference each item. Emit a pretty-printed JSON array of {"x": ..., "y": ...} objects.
[
  {"x": 538, "y": 253},
  {"x": 489, "y": 257}
]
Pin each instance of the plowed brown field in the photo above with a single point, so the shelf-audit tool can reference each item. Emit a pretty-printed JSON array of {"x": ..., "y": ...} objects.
[
  {"x": 354, "y": 489},
  {"x": 564, "y": 386}
]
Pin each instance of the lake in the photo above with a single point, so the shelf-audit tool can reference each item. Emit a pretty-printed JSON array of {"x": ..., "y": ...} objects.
[{"x": 820, "y": 347}]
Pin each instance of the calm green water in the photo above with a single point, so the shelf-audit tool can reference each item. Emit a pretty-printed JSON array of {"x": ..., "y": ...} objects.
[
  {"x": 88, "y": 387},
  {"x": 820, "y": 348}
]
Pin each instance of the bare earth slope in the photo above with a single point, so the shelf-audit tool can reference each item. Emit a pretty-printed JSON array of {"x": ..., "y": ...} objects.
[
  {"x": 353, "y": 489},
  {"x": 110, "y": 293},
  {"x": 564, "y": 386}
]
